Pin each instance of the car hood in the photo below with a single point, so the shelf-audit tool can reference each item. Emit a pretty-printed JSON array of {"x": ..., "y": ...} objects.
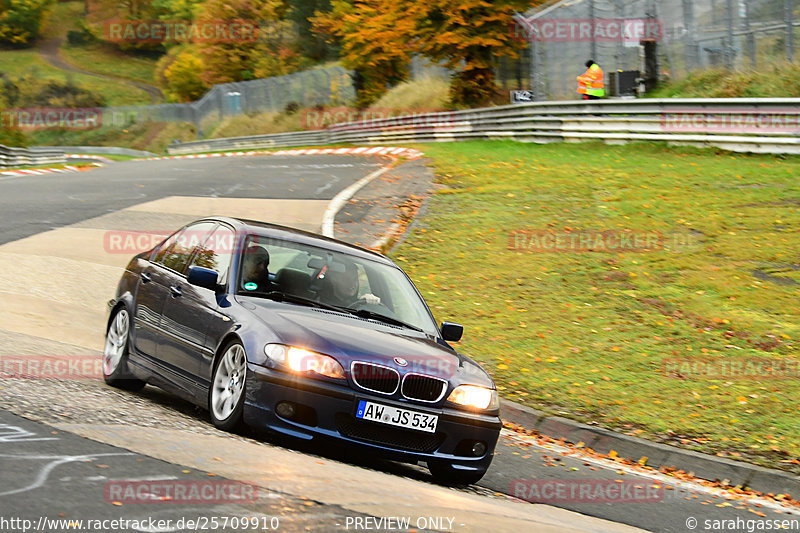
[{"x": 349, "y": 338}]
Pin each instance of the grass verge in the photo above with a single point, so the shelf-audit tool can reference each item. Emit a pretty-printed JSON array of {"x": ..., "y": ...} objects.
[
  {"x": 22, "y": 64},
  {"x": 149, "y": 136},
  {"x": 106, "y": 60},
  {"x": 591, "y": 334},
  {"x": 778, "y": 81}
]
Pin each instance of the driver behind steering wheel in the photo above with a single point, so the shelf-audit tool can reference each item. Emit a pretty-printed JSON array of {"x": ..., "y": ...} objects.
[{"x": 343, "y": 287}]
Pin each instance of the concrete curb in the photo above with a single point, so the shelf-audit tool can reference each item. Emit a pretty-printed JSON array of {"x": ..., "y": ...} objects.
[
  {"x": 603, "y": 441},
  {"x": 421, "y": 212},
  {"x": 408, "y": 153},
  {"x": 38, "y": 171},
  {"x": 338, "y": 201}
]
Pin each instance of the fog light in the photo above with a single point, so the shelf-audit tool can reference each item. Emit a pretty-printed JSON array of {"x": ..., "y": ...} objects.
[
  {"x": 478, "y": 449},
  {"x": 285, "y": 410}
]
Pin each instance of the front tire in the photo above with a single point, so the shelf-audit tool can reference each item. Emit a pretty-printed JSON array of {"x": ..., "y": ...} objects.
[
  {"x": 445, "y": 474},
  {"x": 115, "y": 353},
  {"x": 226, "y": 397}
]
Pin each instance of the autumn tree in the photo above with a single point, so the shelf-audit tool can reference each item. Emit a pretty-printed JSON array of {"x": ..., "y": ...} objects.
[
  {"x": 310, "y": 44},
  {"x": 21, "y": 20},
  {"x": 375, "y": 38},
  {"x": 271, "y": 54},
  {"x": 179, "y": 73},
  {"x": 177, "y": 10},
  {"x": 466, "y": 35},
  {"x": 10, "y": 135},
  {"x": 101, "y": 13}
]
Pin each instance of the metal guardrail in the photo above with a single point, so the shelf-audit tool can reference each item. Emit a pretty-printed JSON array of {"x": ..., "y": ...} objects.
[
  {"x": 18, "y": 157},
  {"x": 760, "y": 125},
  {"x": 96, "y": 150},
  {"x": 295, "y": 138}
]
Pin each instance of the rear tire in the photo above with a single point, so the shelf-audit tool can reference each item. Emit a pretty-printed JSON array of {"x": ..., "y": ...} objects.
[
  {"x": 226, "y": 396},
  {"x": 115, "y": 354},
  {"x": 445, "y": 474}
]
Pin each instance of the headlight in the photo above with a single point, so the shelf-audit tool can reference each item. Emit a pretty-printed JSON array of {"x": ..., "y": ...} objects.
[
  {"x": 474, "y": 396},
  {"x": 304, "y": 361}
]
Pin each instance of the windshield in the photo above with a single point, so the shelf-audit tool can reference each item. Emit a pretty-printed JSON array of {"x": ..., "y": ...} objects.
[{"x": 332, "y": 279}]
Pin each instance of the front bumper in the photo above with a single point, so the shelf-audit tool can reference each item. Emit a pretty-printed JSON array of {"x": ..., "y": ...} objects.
[{"x": 326, "y": 411}]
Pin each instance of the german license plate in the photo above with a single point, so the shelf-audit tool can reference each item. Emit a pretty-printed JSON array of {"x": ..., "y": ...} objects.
[{"x": 395, "y": 416}]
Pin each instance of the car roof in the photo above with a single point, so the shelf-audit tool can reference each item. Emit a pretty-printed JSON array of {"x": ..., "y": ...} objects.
[{"x": 276, "y": 231}]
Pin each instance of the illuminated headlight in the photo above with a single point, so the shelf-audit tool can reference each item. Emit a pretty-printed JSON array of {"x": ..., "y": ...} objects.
[
  {"x": 474, "y": 396},
  {"x": 304, "y": 361}
]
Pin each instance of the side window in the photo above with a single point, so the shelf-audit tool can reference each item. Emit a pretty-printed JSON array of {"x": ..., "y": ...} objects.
[
  {"x": 216, "y": 252},
  {"x": 158, "y": 255},
  {"x": 178, "y": 249}
]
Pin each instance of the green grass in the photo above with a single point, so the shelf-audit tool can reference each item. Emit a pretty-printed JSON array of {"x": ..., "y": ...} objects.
[
  {"x": 586, "y": 333},
  {"x": 62, "y": 17},
  {"x": 149, "y": 136},
  {"x": 105, "y": 60},
  {"x": 28, "y": 63},
  {"x": 254, "y": 124},
  {"x": 421, "y": 94},
  {"x": 781, "y": 80}
]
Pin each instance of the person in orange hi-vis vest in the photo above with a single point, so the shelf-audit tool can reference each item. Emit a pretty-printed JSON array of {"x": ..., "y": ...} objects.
[{"x": 590, "y": 83}]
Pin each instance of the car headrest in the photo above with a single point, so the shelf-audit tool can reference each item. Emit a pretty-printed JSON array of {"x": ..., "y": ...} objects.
[{"x": 293, "y": 281}]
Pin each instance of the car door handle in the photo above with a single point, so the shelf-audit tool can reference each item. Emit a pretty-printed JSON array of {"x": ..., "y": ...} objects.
[
  {"x": 146, "y": 277},
  {"x": 176, "y": 291}
]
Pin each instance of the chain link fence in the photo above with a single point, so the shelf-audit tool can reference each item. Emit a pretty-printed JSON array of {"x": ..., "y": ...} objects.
[
  {"x": 684, "y": 35},
  {"x": 324, "y": 86}
]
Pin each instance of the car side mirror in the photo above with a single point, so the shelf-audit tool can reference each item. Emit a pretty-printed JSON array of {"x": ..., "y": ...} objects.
[
  {"x": 203, "y": 277},
  {"x": 452, "y": 332}
]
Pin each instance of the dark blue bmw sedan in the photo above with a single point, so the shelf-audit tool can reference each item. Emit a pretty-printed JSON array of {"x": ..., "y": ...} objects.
[{"x": 303, "y": 335}]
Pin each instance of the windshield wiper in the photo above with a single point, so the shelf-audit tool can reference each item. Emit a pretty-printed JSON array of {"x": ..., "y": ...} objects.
[
  {"x": 279, "y": 296},
  {"x": 363, "y": 313}
]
